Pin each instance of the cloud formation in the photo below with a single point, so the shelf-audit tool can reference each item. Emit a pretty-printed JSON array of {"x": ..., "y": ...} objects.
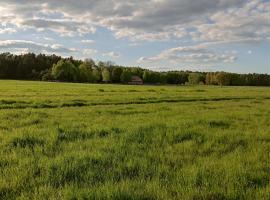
[
  {"x": 201, "y": 20},
  {"x": 112, "y": 54},
  {"x": 87, "y": 41},
  {"x": 197, "y": 21},
  {"x": 89, "y": 52},
  {"x": 29, "y": 46},
  {"x": 199, "y": 55}
]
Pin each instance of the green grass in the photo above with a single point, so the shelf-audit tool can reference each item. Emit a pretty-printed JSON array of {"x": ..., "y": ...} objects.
[{"x": 80, "y": 141}]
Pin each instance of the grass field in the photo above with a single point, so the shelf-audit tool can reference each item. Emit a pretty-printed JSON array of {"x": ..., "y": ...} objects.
[{"x": 80, "y": 141}]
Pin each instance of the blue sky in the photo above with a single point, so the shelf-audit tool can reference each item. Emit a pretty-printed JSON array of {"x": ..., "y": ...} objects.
[{"x": 203, "y": 35}]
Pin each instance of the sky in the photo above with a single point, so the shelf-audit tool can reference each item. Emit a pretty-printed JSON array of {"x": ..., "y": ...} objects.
[{"x": 161, "y": 35}]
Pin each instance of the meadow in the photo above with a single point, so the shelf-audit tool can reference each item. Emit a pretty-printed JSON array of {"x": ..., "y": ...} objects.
[{"x": 87, "y": 141}]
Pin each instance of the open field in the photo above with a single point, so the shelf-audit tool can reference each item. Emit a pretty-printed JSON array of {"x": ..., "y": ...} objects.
[{"x": 81, "y": 141}]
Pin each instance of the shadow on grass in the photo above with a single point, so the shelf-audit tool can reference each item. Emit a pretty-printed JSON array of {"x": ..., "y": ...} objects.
[
  {"x": 219, "y": 124},
  {"x": 187, "y": 136},
  {"x": 27, "y": 142},
  {"x": 22, "y": 105}
]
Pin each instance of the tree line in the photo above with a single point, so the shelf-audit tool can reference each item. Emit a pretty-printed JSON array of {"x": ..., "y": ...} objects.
[{"x": 55, "y": 68}]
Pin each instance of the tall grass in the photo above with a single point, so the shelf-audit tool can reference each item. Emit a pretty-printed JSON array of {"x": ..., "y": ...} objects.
[{"x": 76, "y": 141}]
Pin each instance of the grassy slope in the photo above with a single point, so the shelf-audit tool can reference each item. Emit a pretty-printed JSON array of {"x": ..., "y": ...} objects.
[{"x": 60, "y": 141}]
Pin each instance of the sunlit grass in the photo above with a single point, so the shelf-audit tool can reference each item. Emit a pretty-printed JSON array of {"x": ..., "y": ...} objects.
[{"x": 80, "y": 141}]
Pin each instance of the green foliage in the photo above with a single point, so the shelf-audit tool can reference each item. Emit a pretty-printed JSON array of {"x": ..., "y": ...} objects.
[
  {"x": 65, "y": 71},
  {"x": 106, "y": 76},
  {"x": 96, "y": 75},
  {"x": 90, "y": 63},
  {"x": 195, "y": 78},
  {"x": 116, "y": 74},
  {"x": 39, "y": 67},
  {"x": 88, "y": 72},
  {"x": 223, "y": 78},
  {"x": 126, "y": 76},
  {"x": 46, "y": 75},
  {"x": 136, "y": 71},
  {"x": 27, "y": 66},
  {"x": 81, "y": 141},
  {"x": 85, "y": 73},
  {"x": 151, "y": 77},
  {"x": 177, "y": 77}
]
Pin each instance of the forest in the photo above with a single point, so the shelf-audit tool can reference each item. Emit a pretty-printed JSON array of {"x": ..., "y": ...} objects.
[{"x": 55, "y": 68}]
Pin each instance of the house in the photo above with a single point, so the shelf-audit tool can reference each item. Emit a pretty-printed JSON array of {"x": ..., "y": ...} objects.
[{"x": 136, "y": 80}]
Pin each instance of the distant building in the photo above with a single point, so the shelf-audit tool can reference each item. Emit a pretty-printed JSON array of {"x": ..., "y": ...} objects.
[{"x": 136, "y": 80}]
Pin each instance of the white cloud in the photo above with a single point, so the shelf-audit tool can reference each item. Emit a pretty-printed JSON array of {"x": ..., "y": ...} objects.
[
  {"x": 7, "y": 30},
  {"x": 89, "y": 51},
  {"x": 200, "y": 55},
  {"x": 204, "y": 23},
  {"x": 64, "y": 27},
  {"x": 112, "y": 54},
  {"x": 200, "y": 20},
  {"x": 30, "y": 46},
  {"x": 48, "y": 38},
  {"x": 245, "y": 24},
  {"x": 88, "y": 41}
]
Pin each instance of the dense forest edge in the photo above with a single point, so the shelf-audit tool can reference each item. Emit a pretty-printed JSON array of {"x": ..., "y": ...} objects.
[{"x": 55, "y": 68}]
